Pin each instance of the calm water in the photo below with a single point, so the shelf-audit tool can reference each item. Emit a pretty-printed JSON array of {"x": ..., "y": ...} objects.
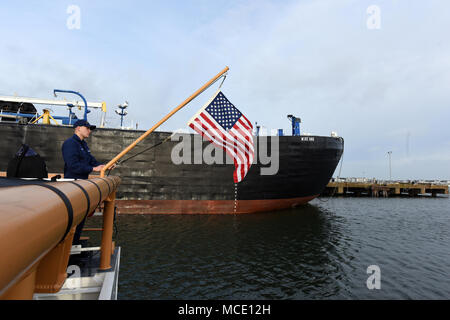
[{"x": 319, "y": 251}]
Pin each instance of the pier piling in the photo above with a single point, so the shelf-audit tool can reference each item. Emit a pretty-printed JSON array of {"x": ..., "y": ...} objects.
[{"x": 384, "y": 189}]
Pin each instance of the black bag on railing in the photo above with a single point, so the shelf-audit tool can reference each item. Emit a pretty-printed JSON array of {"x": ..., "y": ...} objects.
[{"x": 27, "y": 164}]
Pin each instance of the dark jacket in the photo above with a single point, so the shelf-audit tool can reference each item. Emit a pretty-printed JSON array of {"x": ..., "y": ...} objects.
[{"x": 78, "y": 161}]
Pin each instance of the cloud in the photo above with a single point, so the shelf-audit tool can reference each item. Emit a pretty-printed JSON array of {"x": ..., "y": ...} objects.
[{"x": 314, "y": 59}]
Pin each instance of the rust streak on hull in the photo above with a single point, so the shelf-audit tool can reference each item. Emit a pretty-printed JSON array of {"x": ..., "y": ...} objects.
[{"x": 206, "y": 206}]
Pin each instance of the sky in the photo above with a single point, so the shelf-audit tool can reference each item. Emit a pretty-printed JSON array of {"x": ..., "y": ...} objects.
[{"x": 380, "y": 78}]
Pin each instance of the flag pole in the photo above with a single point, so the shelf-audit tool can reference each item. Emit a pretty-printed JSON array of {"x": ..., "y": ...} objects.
[{"x": 143, "y": 136}]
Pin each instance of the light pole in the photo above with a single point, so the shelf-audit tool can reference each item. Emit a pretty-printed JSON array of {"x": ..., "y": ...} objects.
[
  {"x": 122, "y": 112},
  {"x": 390, "y": 172}
]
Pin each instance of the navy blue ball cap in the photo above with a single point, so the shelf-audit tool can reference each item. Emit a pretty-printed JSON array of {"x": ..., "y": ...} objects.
[{"x": 83, "y": 123}]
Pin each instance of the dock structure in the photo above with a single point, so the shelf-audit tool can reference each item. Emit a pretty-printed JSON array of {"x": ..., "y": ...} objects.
[{"x": 374, "y": 188}]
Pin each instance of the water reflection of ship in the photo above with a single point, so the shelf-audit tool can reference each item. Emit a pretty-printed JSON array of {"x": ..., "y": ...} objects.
[
  {"x": 309, "y": 244},
  {"x": 298, "y": 253}
]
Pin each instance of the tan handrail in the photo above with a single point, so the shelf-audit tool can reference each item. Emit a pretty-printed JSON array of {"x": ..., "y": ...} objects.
[
  {"x": 34, "y": 255},
  {"x": 143, "y": 136}
]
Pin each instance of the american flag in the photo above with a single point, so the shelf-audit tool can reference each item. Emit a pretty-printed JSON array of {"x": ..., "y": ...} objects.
[{"x": 224, "y": 125}]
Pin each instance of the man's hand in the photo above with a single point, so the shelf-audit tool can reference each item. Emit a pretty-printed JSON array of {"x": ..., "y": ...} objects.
[{"x": 98, "y": 168}]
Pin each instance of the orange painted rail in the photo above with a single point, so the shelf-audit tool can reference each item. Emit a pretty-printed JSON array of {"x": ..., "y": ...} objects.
[{"x": 36, "y": 232}]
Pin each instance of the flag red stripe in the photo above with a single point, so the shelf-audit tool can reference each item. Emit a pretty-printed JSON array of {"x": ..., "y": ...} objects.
[
  {"x": 225, "y": 144},
  {"x": 218, "y": 127},
  {"x": 246, "y": 152},
  {"x": 221, "y": 133},
  {"x": 242, "y": 164},
  {"x": 203, "y": 132}
]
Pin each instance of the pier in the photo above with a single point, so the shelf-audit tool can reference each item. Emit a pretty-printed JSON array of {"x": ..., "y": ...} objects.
[{"x": 359, "y": 187}]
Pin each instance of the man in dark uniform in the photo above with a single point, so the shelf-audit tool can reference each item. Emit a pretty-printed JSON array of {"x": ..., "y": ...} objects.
[{"x": 78, "y": 161}]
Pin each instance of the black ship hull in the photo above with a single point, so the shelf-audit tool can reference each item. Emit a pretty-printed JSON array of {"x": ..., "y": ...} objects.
[{"x": 294, "y": 170}]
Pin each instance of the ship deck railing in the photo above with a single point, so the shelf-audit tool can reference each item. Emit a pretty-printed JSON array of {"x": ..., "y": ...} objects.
[{"x": 38, "y": 219}]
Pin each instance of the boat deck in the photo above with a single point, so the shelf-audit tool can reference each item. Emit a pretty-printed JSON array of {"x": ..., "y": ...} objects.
[{"x": 85, "y": 281}]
